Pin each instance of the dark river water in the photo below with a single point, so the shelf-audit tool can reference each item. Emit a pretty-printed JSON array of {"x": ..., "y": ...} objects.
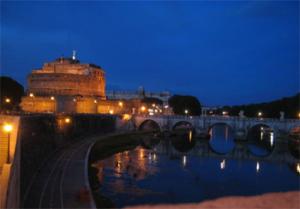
[{"x": 182, "y": 169}]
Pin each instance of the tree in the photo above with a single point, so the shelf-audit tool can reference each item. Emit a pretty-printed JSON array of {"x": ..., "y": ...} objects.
[
  {"x": 181, "y": 103},
  {"x": 152, "y": 100},
  {"x": 11, "y": 93}
]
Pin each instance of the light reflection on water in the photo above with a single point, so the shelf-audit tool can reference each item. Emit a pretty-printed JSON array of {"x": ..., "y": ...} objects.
[{"x": 164, "y": 174}]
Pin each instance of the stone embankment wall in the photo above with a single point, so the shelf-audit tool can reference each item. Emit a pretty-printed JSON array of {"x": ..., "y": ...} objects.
[{"x": 42, "y": 135}]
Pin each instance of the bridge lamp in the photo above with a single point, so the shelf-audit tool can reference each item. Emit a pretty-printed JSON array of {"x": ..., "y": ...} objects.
[
  {"x": 224, "y": 113},
  {"x": 7, "y": 100},
  {"x": 259, "y": 114},
  {"x": 67, "y": 120},
  {"x": 186, "y": 112},
  {"x": 7, "y": 128},
  {"x": 143, "y": 108}
]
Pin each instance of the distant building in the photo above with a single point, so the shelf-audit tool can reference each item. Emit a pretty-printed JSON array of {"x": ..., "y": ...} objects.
[{"x": 139, "y": 94}]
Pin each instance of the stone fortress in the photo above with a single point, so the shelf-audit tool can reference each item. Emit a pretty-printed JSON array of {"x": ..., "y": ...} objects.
[{"x": 68, "y": 86}]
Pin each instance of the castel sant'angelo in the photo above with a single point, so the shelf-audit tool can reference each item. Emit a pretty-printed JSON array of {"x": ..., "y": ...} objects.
[{"x": 68, "y": 86}]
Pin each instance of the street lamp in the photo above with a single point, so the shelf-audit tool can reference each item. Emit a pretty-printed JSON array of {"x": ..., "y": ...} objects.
[
  {"x": 7, "y": 128},
  {"x": 52, "y": 98},
  {"x": 120, "y": 104},
  {"x": 299, "y": 115},
  {"x": 31, "y": 95},
  {"x": 7, "y": 100},
  {"x": 143, "y": 108},
  {"x": 186, "y": 112},
  {"x": 259, "y": 114},
  {"x": 67, "y": 120}
]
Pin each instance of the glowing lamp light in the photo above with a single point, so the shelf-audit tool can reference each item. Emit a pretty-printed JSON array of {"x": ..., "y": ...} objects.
[
  {"x": 74, "y": 100},
  {"x": 67, "y": 120},
  {"x": 224, "y": 113},
  {"x": 166, "y": 106},
  {"x": 52, "y": 98},
  {"x": 7, "y": 100},
  {"x": 7, "y": 128},
  {"x": 111, "y": 112},
  {"x": 299, "y": 115},
  {"x": 298, "y": 168},
  {"x": 120, "y": 104},
  {"x": 186, "y": 111},
  {"x": 31, "y": 95},
  {"x": 126, "y": 117},
  {"x": 143, "y": 108},
  {"x": 259, "y": 114},
  {"x": 153, "y": 105},
  {"x": 95, "y": 101}
]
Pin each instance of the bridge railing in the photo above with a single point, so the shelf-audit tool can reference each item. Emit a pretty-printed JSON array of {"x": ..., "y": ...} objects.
[{"x": 217, "y": 117}]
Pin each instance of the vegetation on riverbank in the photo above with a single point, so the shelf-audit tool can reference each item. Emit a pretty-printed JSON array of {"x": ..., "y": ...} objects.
[{"x": 289, "y": 105}]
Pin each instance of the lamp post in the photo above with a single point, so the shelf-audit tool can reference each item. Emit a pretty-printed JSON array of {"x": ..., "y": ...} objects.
[{"x": 7, "y": 128}]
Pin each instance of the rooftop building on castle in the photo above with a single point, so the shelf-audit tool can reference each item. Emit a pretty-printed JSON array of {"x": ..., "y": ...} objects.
[{"x": 67, "y": 76}]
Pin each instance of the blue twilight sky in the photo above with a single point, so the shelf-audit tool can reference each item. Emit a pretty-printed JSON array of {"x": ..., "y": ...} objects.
[{"x": 223, "y": 52}]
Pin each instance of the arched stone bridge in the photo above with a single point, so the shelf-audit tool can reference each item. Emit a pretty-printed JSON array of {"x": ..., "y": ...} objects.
[{"x": 202, "y": 124}]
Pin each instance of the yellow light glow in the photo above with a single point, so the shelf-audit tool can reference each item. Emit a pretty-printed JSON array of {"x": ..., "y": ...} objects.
[
  {"x": 298, "y": 168},
  {"x": 111, "y": 112},
  {"x": 7, "y": 100},
  {"x": 95, "y": 101},
  {"x": 299, "y": 115},
  {"x": 190, "y": 136},
  {"x": 259, "y": 114},
  {"x": 153, "y": 105},
  {"x": 186, "y": 111},
  {"x": 52, "y": 98},
  {"x": 7, "y": 128},
  {"x": 74, "y": 100},
  {"x": 120, "y": 104},
  {"x": 143, "y": 108},
  {"x": 126, "y": 117},
  {"x": 31, "y": 95},
  {"x": 67, "y": 120},
  {"x": 224, "y": 113}
]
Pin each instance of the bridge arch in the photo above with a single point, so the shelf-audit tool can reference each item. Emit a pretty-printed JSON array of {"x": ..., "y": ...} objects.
[
  {"x": 261, "y": 139},
  {"x": 149, "y": 124},
  {"x": 220, "y": 123},
  {"x": 221, "y": 139},
  {"x": 183, "y": 125}
]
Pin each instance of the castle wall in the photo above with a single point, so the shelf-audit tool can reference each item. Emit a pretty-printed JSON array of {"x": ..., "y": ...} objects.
[{"x": 39, "y": 105}]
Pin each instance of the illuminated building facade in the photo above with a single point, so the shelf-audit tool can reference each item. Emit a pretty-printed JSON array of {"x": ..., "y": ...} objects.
[
  {"x": 68, "y": 86},
  {"x": 65, "y": 85}
]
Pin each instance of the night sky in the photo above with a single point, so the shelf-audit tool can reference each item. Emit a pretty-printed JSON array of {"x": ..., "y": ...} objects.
[{"x": 224, "y": 52}]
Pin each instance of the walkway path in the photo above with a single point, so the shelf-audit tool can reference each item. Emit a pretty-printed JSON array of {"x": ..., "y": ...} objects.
[{"x": 61, "y": 179}]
